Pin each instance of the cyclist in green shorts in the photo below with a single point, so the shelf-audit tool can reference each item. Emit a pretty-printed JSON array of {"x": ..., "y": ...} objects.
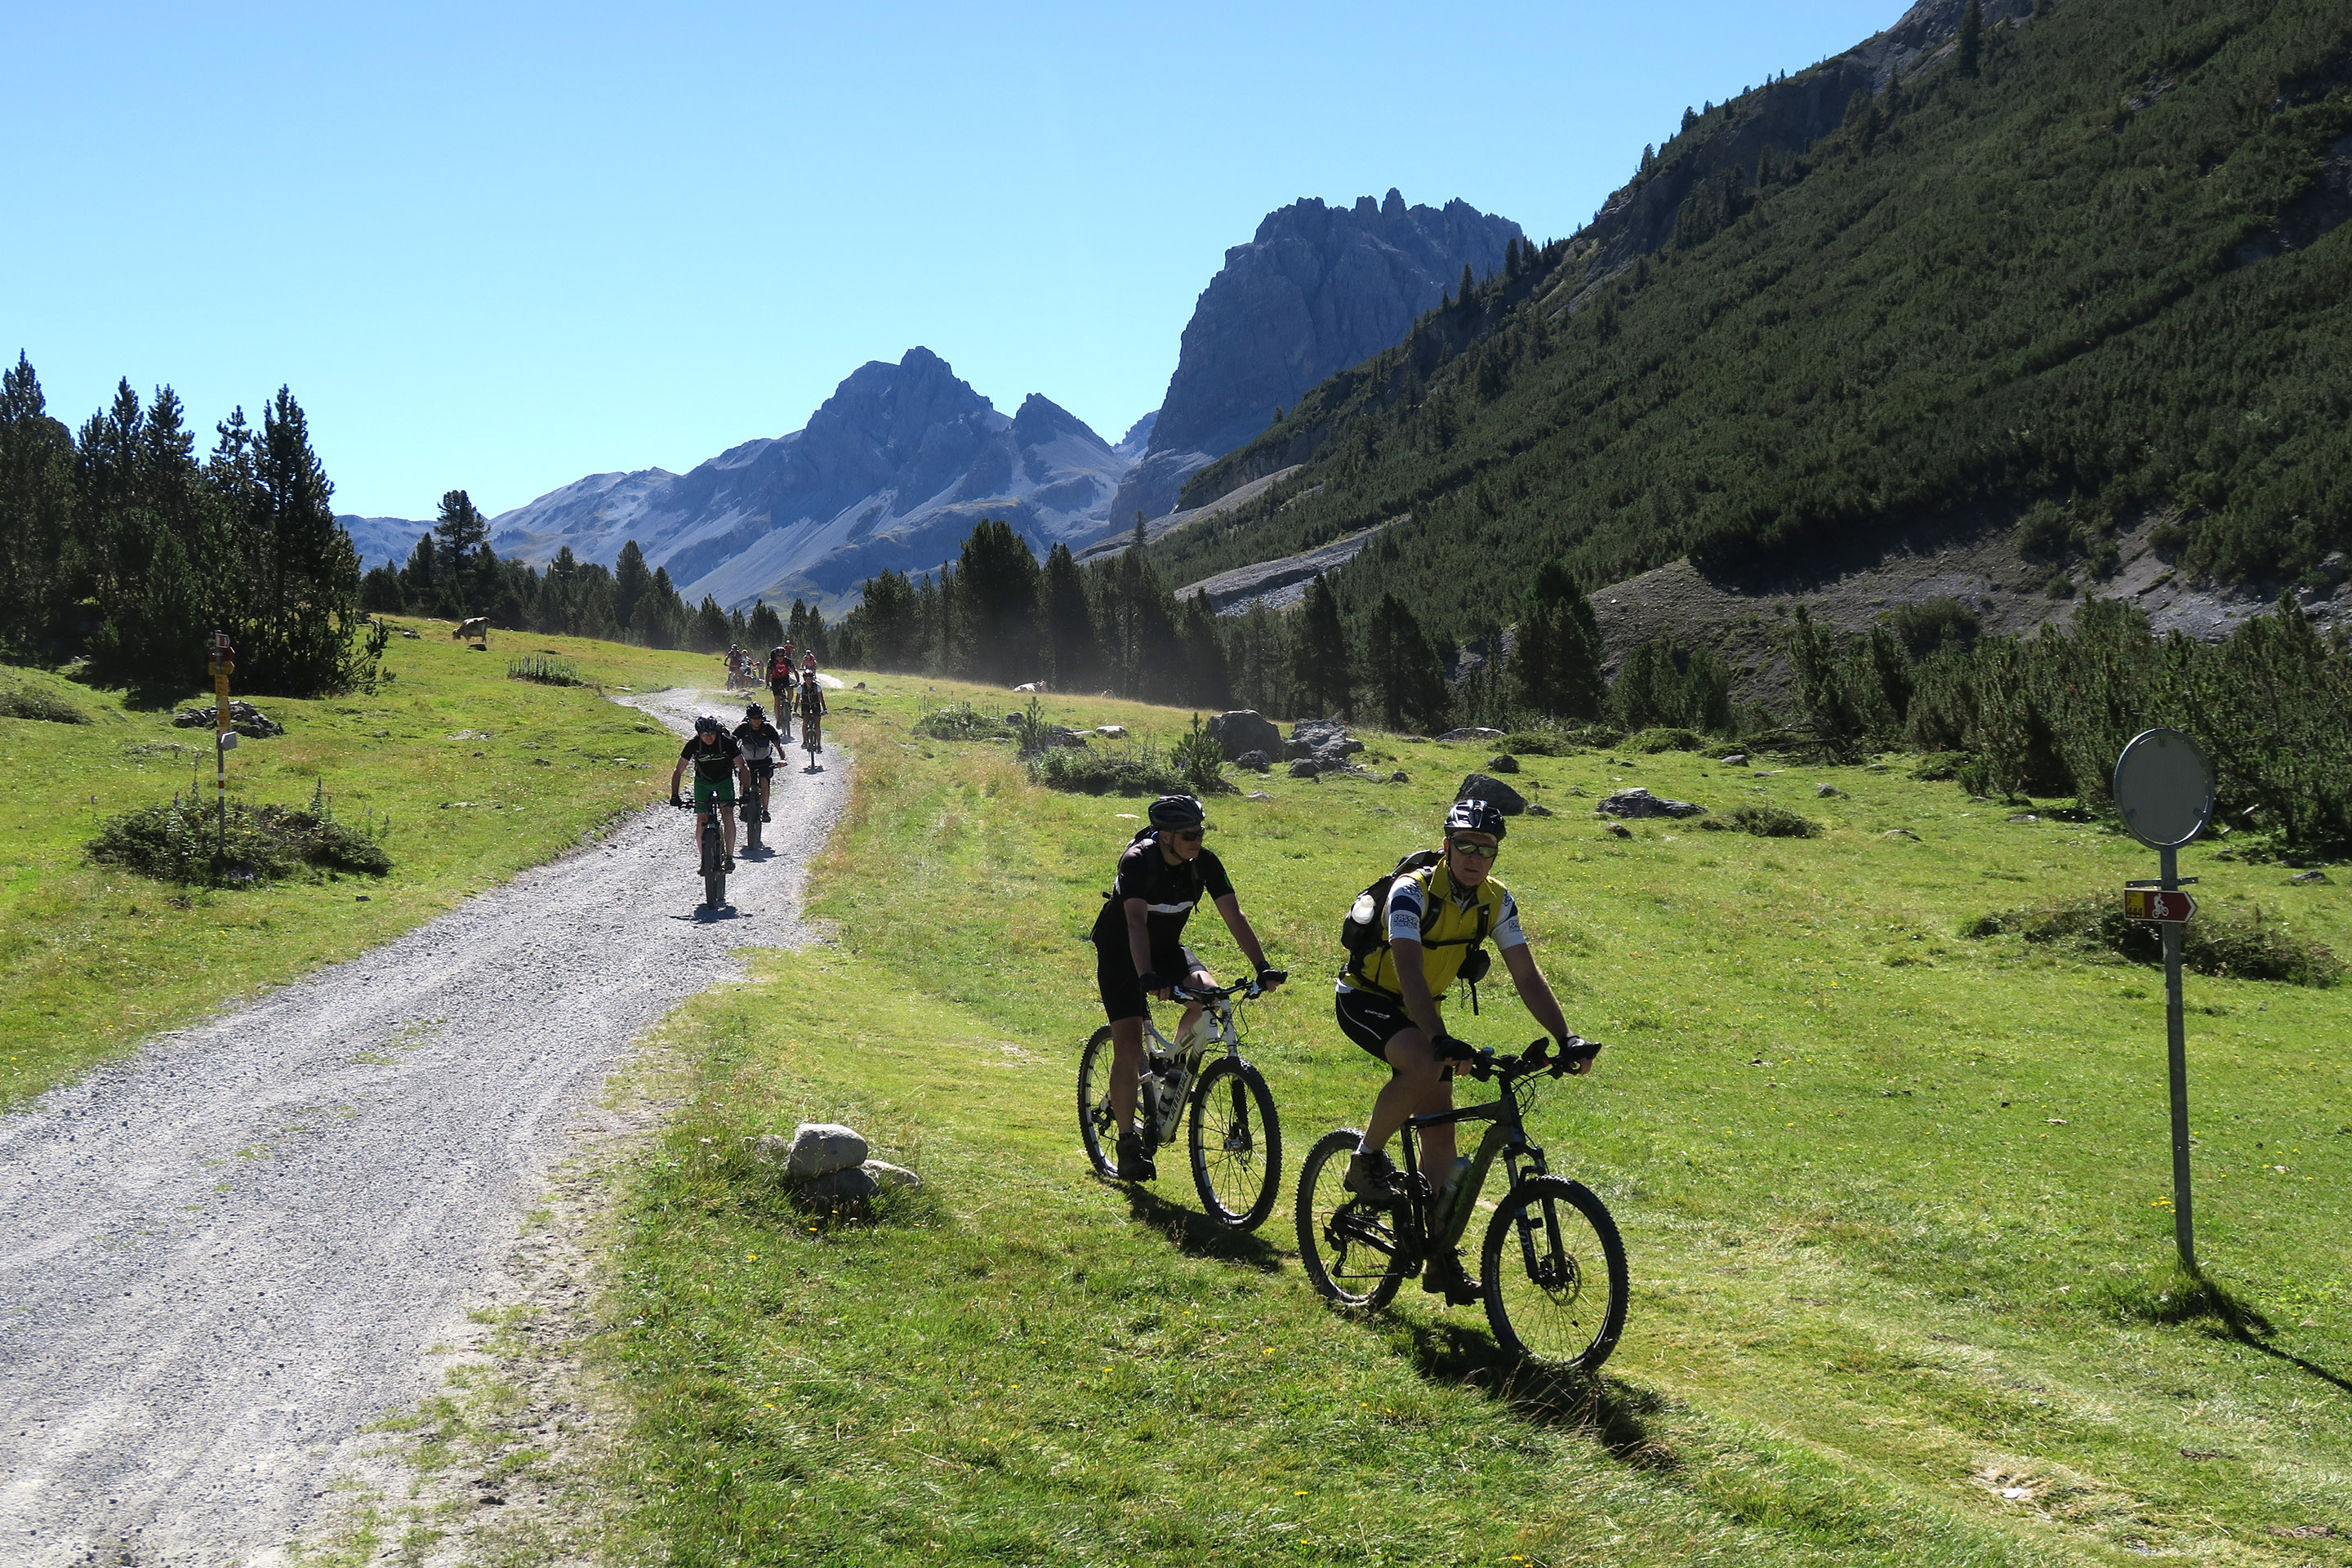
[{"x": 718, "y": 759}]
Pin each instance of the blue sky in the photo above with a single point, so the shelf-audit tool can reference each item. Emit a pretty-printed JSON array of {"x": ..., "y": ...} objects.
[{"x": 499, "y": 246}]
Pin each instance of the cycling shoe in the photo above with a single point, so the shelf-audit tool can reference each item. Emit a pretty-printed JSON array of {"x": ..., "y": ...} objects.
[
  {"x": 1374, "y": 1178},
  {"x": 1444, "y": 1276},
  {"x": 1134, "y": 1164}
]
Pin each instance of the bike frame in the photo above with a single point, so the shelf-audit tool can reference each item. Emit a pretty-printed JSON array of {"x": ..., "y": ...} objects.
[
  {"x": 1161, "y": 1100},
  {"x": 1506, "y": 1138}
]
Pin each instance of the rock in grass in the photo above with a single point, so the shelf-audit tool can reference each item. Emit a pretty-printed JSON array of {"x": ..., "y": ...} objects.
[
  {"x": 889, "y": 1175},
  {"x": 1827, "y": 791},
  {"x": 1245, "y": 730},
  {"x": 1503, "y": 762},
  {"x": 1476, "y": 732},
  {"x": 1635, "y": 801},
  {"x": 1257, "y": 794},
  {"x": 2303, "y": 879},
  {"x": 1495, "y": 792},
  {"x": 1257, "y": 762},
  {"x": 1619, "y": 830},
  {"x": 853, "y": 1185},
  {"x": 820, "y": 1148},
  {"x": 1737, "y": 759},
  {"x": 1304, "y": 768}
]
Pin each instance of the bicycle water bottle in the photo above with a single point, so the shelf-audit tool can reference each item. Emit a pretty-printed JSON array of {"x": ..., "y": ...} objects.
[{"x": 1451, "y": 1193}]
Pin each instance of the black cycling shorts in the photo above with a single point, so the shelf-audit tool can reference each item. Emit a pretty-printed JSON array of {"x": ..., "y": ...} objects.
[
  {"x": 1373, "y": 1021},
  {"x": 1122, "y": 989},
  {"x": 762, "y": 767}
]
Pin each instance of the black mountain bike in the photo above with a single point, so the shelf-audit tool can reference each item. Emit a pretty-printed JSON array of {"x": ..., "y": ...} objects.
[
  {"x": 714, "y": 858},
  {"x": 1552, "y": 1268},
  {"x": 1237, "y": 1140},
  {"x": 754, "y": 809}
]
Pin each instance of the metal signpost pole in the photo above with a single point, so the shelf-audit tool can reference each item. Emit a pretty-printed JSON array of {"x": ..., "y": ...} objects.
[
  {"x": 2177, "y": 1060},
  {"x": 221, "y": 668},
  {"x": 2164, "y": 791}
]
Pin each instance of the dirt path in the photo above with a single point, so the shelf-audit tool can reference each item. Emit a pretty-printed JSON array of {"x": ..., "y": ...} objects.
[{"x": 222, "y": 1259}]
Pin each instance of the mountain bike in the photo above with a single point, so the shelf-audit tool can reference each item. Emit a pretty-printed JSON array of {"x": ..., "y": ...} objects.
[
  {"x": 755, "y": 810},
  {"x": 1237, "y": 1140},
  {"x": 714, "y": 858},
  {"x": 1552, "y": 1268},
  {"x": 810, "y": 741}
]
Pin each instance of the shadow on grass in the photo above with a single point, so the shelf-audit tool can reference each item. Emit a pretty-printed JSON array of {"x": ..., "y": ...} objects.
[
  {"x": 1609, "y": 1410},
  {"x": 1197, "y": 1235},
  {"x": 2196, "y": 1299}
]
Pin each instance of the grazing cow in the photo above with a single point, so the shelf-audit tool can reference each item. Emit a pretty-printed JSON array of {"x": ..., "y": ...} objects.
[{"x": 479, "y": 626}]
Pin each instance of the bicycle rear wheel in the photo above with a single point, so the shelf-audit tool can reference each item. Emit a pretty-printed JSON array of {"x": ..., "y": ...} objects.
[
  {"x": 1352, "y": 1251},
  {"x": 1098, "y": 1129},
  {"x": 1236, "y": 1145},
  {"x": 1554, "y": 1270}
]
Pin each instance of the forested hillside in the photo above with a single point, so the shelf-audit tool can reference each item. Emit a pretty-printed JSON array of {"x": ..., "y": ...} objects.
[{"x": 2084, "y": 262}]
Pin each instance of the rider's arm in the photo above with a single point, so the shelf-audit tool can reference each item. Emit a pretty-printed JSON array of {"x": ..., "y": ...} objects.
[
  {"x": 677, "y": 773},
  {"x": 1536, "y": 991},
  {"x": 1413, "y": 987},
  {"x": 1238, "y": 924}
]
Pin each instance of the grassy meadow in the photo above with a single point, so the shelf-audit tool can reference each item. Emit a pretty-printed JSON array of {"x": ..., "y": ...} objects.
[
  {"x": 479, "y": 774},
  {"x": 1895, "y": 1201}
]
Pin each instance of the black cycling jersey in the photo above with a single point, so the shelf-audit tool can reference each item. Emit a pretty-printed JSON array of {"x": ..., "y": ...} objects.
[
  {"x": 713, "y": 762},
  {"x": 758, "y": 741},
  {"x": 1170, "y": 891}
]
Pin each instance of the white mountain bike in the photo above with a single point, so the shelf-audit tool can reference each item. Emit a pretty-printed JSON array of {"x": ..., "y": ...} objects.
[{"x": 1237, "y": 1140}]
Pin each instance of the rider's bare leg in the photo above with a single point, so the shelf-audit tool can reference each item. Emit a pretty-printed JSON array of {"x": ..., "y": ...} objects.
[
  {"x": 727, "y": 816},
  {"x": 1126, "y": 1065},
  {"x": 1415, "y": 1088},
  {"x": 1198, "y": 980}
]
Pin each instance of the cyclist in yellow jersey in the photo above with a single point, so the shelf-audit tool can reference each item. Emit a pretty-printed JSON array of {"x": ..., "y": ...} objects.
[{"x": 1388, "y": 1003}]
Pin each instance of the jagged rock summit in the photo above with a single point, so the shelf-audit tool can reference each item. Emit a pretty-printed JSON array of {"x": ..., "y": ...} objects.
[
  {"x": 1318, "y": 289},
  {"x": 891, "y": 471}
]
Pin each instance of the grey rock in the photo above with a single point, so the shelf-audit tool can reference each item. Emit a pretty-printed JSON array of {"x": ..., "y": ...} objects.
[
  {"x": 1245, "y": 730},
  {"x": 1321, "y": 738},
  {"x": 1900, "y": 832},
  {"x": 769, "y": 1147},
  {"x": 1398, "y": 777},
  {"x": 1539, "y": 811},
  {"x": 1618, "y": 830},
  {"x": 1503, "y": 763},
  {"x": 1257, "y": 794},
  {"x": 2025, "y": 816},
  {"x": 1305, "y": 768},
  {"x": 1474, "y": 732},
  {"x": 1479, "y": 786},
  {"x": 1255, "y": 761},
  {"x": 243, "y": 717},
  {"x": 889, "y": 1175},
  {"x": 820, "y": 1148},
  {"x": 1827, "y": 791},
  {"x": 2308, "y": 878},
  {"x": 1318, "y": 289},
  {"x": 1635, "y": 801},
  {"x": 1025, "y": 686},
  {"x": 854, "y": 1185},
  {"x": 1112, "y": 731},
  {"x": 1737, "y": 759}
]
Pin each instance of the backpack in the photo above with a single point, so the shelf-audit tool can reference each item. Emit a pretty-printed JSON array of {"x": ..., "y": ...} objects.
[{"x": 1366, "y": 930}]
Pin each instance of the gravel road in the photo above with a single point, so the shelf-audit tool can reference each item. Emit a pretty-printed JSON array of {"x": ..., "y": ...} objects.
[{"x": 222, "y": 1259}]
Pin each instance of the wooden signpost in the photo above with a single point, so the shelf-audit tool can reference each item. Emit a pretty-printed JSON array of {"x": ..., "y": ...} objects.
[{"x": 2164, "y": 789}]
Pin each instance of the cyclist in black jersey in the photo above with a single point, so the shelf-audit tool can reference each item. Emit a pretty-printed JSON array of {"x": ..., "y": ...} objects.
[
  {"x": 718, "y": 762},
  {"x": 758, "y": 739},
  {"x": 1139, "y": 949},
  {"x": 780, "y": 686},
  {"x": 810, "y": 704}
]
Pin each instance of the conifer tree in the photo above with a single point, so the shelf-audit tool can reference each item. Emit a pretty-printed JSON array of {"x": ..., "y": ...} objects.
[
  {"x": 996, "y": 608},
  {"x": 1555, "y": 666},
  {"x": 35, "y": 506},
  {"x": 1469, "y": 284},
  {"x": 631, "y": 582},
  {"x": 1971, "y": 49},
  {"x": 1319, "y": 664},
  {"x": 1402, "y": 669},
  {"x": 1073, "y": 651}
]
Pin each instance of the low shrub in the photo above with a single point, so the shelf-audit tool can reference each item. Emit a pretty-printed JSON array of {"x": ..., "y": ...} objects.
[
  {"x": 177, "y": 843},
  {"x": 25, "y": 702},
  {"x": 1200, "y": 760},
  {"x": 545, "y": 671},
  {"x": 1107, "y": 770},
  {"x": 2217, "y": 943},
  {"x": 1765, "y": 822},
  {"x": 959, "y": 721},
  {"x": 1538, "y": 743},
  {"x": 1650, "y": 742}
]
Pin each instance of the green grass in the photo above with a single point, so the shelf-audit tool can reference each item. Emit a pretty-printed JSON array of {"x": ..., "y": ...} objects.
[
  {"x": 99, "y": 958},
  {"x": 1895, "y": 1203}
]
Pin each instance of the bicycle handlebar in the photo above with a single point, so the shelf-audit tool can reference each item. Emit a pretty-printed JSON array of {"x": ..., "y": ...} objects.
[
  {"x": 1536, "y": 1059},
  {"x": 1246, "y": 988}
]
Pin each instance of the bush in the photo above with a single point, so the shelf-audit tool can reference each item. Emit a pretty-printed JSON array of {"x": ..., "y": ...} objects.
[
  {"x": 1769, "y": 822},
  {"x": 1654, "y": 741},
  {"x": 1107, "y": 769},
  {"x": 546, "y": 671},
  {"x": 1200, "y": 760},
  {"x": 1538, "y": 743},
  {"x": 22, "y": 702},
  {"x": 2225, "y": 945},
  {"x": 179, "y": 843},
  {"x": 959, "y": 721}
]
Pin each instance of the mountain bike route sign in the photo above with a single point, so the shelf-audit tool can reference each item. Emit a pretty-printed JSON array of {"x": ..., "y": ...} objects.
[{"x": 2170, "y": 906}]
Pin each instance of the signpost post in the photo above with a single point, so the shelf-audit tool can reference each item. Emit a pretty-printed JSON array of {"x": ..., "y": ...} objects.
[
  {"x": 2164, "y": 788},
  {"x": 222, "y": 656}
]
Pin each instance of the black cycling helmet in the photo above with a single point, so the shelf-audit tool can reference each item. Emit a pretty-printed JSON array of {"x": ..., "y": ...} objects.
[
  {"x": 753, "y": 710},
  {"x": 708, "y": 722},
  {"x": 1177, "y": 811},
  {"x": 1475, "y": 815}
]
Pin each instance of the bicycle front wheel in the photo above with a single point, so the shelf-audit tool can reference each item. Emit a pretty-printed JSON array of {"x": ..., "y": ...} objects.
[
  {"x": 1351, "y": 1250},
  {"x": 1097, "y": 1128},
  {"x": 714, "y": 873},
  {"x": 1555, "y": 1275},
  {"x": 1236, "y": 1145}
]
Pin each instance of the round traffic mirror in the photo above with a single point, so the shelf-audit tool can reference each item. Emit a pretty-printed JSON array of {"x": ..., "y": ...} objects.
[{"x": 2164, "y": 788}]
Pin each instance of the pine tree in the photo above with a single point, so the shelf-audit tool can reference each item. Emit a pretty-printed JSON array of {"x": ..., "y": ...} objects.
[
  {"x": 767, "y": 629},
  {"x": 35, "y": 508},
  {"x": 1320, "y": 663},
  {"x": 1402, "y": 668},
  {"x": 1971, "y": 49},
  {"x": 1073, "y": 651},
  {"x": 1469, "y": 286},
  {"x": 631, "y": 582},
  {"x": 1555, "y": 666},
  {"x": 460, "y": 529},
  {"x": 996, "y": 605},
  {"x": 710, "y": 633}
]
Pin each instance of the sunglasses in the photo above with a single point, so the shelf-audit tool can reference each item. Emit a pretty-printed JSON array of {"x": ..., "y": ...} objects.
[
  {"x": 1191, "y": 834},
  {"x": 1476, "y": 851}
]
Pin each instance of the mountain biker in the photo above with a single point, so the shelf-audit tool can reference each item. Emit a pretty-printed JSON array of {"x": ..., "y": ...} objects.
[
  {"x": 1388, "y": 1003},
  {"x": 732, "y": 662},
  {"x": 780, "y": 686},
  {"x": 717, "y": 760},
  {"x": 1163, "y": 873},
  {"x": 811, "y": 703},
  {"x": 759, "y": 740}
]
